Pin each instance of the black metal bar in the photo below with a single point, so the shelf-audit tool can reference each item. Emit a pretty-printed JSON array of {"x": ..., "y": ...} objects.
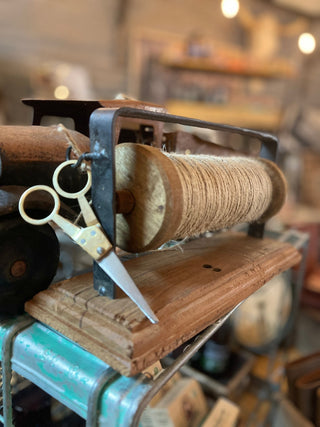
[
  {"x": 269, "y": 142},
  {"x": 256, "y": 230},
  {"x": 79, "y": 111},
  {"x": 103, "y": 185}
]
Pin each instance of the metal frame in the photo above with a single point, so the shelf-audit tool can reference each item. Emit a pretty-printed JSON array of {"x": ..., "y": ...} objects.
[
  {"x": 79, "y": 111},
  {"x": 300, "y": 241},
  {"x": 78, "y": 379},
  {"x": 99, "y": 124},
  {"x": 102, "y": 139},
  {"x": 6, "y": 355},
  {"x": 189, "y": 351},
  {"x": 84, "y": 383},
  {"x": 91, "y": 388}
]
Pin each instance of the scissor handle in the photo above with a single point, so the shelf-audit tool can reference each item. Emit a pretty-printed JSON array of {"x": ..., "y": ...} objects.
[
  {"x": 63, "y": 193},
  {"x": 39, "y": 221}
]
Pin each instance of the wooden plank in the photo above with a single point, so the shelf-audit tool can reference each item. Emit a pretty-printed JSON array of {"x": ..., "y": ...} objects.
[
  {"x": 242, "y": 115},
  {"x": 188, "y": 288}
]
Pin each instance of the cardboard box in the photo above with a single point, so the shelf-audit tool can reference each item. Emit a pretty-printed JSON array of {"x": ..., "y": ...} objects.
[
  {"x": 184, "y": 405},
  {"x": 153, "y": 371},
  {"x": 164, "y": 390},
  {"x": 224, "y": 414}
]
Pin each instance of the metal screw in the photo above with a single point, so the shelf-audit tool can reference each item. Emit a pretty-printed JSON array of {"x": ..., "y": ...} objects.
[
  {"x": 18, "y": 268},
  {"x": 100, "y": 250},
  {"x": 186, "y": 348},
  {"x": 102, "y": 290}
]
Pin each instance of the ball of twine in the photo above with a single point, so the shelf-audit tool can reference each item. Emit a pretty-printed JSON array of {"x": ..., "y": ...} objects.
[
  {"x": 221, "y": 192},
  {"x": 178, "y": 196}
]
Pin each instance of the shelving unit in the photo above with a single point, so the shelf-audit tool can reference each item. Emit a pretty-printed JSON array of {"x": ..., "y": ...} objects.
[
  {"x": 97, "y": 389},
  {"x": 77, "y": 378},
  {"x": 244, "y": 116},
  {"x": 236, "y": 91}
]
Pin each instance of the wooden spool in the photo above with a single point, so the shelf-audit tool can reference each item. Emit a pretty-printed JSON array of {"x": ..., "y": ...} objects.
[
  {"x": 155, "y": 185},
  {"x": 159, "y": 196},
  {"x": 30, "y": 154}
]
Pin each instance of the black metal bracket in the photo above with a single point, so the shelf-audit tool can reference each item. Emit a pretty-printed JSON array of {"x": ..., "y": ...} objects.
[
  {"x": 79, "y": 111},
  {"x": 102, "y": 139}
]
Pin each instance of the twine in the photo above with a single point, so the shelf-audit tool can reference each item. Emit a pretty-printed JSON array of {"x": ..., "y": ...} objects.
[{"x": 221, "y": 192}]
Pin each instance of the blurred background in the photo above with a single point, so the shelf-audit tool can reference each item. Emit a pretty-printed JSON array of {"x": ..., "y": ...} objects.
[
  {"x": 248, "y": 63},
  {"x": 202, "y": 58}
]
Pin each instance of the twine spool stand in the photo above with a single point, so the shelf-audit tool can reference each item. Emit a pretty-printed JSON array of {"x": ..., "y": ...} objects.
[
  {"x": 165, "y": 196},
  {"x": 178, "y": 196}
]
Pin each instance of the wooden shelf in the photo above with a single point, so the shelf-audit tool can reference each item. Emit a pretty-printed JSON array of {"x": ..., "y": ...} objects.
[
  {"x": 243, "y": 116},
  {"x": 241, "y": 67},
  {"x": 188, "y": 288}
]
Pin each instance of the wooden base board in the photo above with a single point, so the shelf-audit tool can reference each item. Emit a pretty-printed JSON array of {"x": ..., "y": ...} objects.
[{"x": 188, "y": 288}]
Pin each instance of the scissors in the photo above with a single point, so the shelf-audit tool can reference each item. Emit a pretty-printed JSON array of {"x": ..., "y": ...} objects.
[{"x": 90, "y": 238}]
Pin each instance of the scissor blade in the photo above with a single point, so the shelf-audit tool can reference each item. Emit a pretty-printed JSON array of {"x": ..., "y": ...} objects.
[{"x": 114, "y": 268}]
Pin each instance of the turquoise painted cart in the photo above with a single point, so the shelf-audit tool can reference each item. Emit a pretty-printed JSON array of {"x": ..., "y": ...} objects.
[{"x": 75, "y": 377}]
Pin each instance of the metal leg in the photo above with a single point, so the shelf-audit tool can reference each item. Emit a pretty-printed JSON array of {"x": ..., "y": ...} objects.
[
  {"x": 188, "y": 352},
  {"x": 17, "y": 327},
  {"x": 95, "y": 395}
]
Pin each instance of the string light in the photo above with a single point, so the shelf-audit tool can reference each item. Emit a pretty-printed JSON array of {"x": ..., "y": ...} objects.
[
  {"x": 230, "y": 8},
  {"x": 307, "y": 43},
  {"x": 61, "y": 92}
]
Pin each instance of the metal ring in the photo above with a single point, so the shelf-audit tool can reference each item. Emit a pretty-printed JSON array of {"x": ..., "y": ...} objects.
[
  {"x": 80, "y": 159},
  {"x": 48, "y": 218},
  {"x": 63, "y": 193}
]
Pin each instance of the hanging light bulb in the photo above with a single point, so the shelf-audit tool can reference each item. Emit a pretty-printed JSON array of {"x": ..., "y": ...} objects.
[
  {"x": 230, "y": 8},
  {"x": 307, "y": 43},
  {"x": 61, "y": 92}
]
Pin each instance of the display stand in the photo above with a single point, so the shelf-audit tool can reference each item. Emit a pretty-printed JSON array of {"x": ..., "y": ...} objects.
[
  {"x": 189, "y": 289},
  {"x": 77, "y": 378},
  {"x": 228, "y": 267}
]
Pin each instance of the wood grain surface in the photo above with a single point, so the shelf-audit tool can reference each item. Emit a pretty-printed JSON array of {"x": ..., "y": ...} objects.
[
  {"x": 188, "y": 288},
  {"x": 178, "y": 196},
  {"x": 155, "y": 185},
  {"x": 30, "y": 154}
]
